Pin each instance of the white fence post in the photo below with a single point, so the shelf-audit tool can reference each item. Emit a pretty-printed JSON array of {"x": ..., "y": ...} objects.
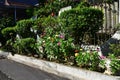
[{"x": 64, "y": 9}]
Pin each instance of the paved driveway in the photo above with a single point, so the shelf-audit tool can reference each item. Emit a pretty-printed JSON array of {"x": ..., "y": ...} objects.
[{"x": 17, "y": 71}]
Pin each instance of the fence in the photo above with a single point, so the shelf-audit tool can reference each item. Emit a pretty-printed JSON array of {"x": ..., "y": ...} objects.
[{"x": 111, "y": 19}]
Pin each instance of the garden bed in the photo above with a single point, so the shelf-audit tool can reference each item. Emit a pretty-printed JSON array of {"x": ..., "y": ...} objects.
[{"x": 59, "y": 39}]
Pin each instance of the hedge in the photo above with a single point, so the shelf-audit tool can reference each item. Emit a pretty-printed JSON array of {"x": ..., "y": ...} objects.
[{"x": 80, "y": 20}]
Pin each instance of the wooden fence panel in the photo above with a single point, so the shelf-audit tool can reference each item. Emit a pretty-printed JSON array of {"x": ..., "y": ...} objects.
[
  {"x": 111, "y": 14},
  {"x": 111, "y": 19}
]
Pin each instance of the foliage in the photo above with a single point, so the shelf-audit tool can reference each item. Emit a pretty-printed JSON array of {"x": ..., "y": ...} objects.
[
  {"x": 54, "y": 6},
  {"x": 9, "y": 46},
  {"x": 115, "y": 63},
  {"x": 5, "y": 22},
  {"x": 9, "y": 35},
  {"x": 42, "y": 1},
  {"x": 46, "y": 25},
  {"x": 115, "y": 48},
  {"x": 82, "y": 5},
  {"x": 78, "y": 21},
  {"x": 58, "y": 34},
  {"x": 109, "y": 1},
  {"x": 25, "y": 46},
  {"x": 57, "y": 47},
  {"x": 30, "y": 11},
  {"x": 9, "y": 32},
  {"x": 23, "y": 28},
  {"x": 88, "y": 60},
  {"x": 38, "y": 25},
  {"x": 51, "y": 23},
  {"x": 50, "y": 38}
]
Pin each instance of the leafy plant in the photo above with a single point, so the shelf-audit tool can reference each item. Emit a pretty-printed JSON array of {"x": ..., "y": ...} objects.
[
  {"x": 57, "y": 47},
  {"x": 38, "y": 25},
  {"x": 78, "y": 21},
  {"x": 9, "y": 32},
  {"x": 5, "y": 22},
  {"x": 51, "y": 39},
  {"x": 25, "y": 46},
  {"x": 9, "y": 35},
  {"x": 82, "y": 5},
  {"x": 54, "y": 6},
  {"x": 23, "y": 28},
  {"x": 89, "y": 60},
  {"x": 115, "y": 48},
  {"x": 115, "y": 64},
  {"x": 51, "y": 25}
]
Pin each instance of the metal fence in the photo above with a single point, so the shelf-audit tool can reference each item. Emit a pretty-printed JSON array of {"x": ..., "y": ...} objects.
[{"x": 111, "y": 19}]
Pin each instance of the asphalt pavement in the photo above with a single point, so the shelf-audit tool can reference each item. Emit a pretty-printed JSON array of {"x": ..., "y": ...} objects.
[{"x": 11, "y": 70}]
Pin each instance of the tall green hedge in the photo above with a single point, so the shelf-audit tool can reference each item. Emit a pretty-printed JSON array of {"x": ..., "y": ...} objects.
[
  {"x": 9, "y": 32},
  {"x": 5, "y": 21},
  {"x": 78, "y": 21},
  {"x": 23, "y": 28},
  {"x": 9, "y": 35}
]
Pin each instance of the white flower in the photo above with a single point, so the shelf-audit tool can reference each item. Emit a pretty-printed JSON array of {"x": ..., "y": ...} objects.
[
  {"x": 43, "y": 41},
  {"x": 56, "y": 35},
  {"x": 83, "y": 53},
  {"x": 48, "y": 37},
  {"x": 88, "y": 51}
]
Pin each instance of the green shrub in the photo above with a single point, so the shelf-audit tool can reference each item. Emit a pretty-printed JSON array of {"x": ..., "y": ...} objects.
[
  {"x": 9, "y": 32},
  {"x": 88, "y": 60},
  {"x": 115, "y": 49},
  {"x": 5, "y": 22},
  {"x": 54, "y": 6},
  {"x": 9, "y": 35},
  {"x": 56, "y": 47},
  {"x": 82, "y": 5},
  {"x": 51, "y": 23},
  {"x": 48, "y": 38},
  {"x": 78, "y": 21},
  {"x": 25, "y": 46},
  {"x": 114, "y": 64},
  {"x": 38, "y": 24},
  {"x": 46, "y": 24},
  {"x": 23, "y": 28}
]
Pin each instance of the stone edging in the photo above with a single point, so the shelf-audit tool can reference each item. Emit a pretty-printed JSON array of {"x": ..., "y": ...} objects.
[{"x": 61, "y": 70}]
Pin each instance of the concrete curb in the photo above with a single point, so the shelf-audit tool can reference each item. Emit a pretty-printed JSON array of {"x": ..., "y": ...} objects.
[{"x": 61, "y": 70}]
